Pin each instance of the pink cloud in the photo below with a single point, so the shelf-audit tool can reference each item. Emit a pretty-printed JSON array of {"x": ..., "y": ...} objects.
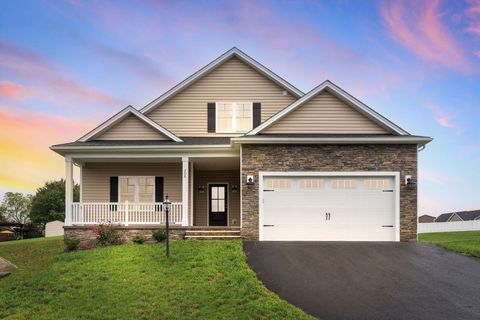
[
  {"x": 13, "y": 90},
  {"x": 431, "y": 176},
  {"x": 468, "y": 150},
  {"x": 41, "y": 129},
  {"x": 41, "y": 71},
  {"x": 27, "y": 162},
  {"x": 442, "y": 117},
  {"x": 473, "y": 14},
  {"x": 418, "y": 26}
]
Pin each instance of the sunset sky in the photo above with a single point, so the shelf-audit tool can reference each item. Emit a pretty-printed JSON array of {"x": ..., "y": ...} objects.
[{"x": 65, "y": 66}]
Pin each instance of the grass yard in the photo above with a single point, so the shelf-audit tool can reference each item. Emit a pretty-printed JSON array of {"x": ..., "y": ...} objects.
[
  {"x": 201, "y": 280},
  {"x": 466, "y": 242}
]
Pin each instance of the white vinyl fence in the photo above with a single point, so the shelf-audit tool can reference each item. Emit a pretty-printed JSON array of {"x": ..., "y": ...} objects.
[{"x": 449, "y": 226}]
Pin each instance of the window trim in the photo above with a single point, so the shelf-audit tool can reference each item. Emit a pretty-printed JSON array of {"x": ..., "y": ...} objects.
[
  {"x": 137, "y": 189},
  {"x": 234, "y": 116}
]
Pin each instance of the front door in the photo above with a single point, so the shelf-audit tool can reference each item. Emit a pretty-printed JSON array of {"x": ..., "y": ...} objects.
[{"x": 217, "y": 204}]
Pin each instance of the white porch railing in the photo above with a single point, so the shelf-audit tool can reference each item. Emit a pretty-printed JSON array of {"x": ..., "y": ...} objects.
[{"x": 124, "y": 213}]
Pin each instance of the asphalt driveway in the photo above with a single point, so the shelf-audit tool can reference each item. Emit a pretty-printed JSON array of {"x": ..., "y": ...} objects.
[{"x": 360, "y": 280}]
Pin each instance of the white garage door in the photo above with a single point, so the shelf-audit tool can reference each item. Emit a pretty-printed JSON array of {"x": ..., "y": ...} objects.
[{"x": 329, "y": 208}]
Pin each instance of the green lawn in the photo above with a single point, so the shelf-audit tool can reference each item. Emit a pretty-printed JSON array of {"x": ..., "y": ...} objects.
[
  {"x": 201, "y": 280},
  {"x": 466, "y": 242}
]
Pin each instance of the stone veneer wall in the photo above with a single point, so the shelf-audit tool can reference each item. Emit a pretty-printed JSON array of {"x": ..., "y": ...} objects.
[
  {"x": 86, "y": 234},
  {"x": 402, "y": 158}
]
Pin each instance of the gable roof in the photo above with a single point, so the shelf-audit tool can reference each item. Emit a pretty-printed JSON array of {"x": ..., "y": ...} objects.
[
  {"x": 464, "y": 215},
  {"x": 122, "y": 115},
  {"x": 342, "y": 95},
  {"x": 426, "y": 216},
  {"x": 234, "y": 52}
]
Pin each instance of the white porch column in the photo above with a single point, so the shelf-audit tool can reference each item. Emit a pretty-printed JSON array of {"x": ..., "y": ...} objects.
[
  {"x": 185, "y": 192},
  {"x": 68, "y": 190}
]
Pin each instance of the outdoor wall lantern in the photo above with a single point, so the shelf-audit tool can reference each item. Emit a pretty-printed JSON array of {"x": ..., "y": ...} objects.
[
  {"x": 201, "y": 189},
  {"x": 167, "y": 204},
  {"x": 409, "y": 180},
  {"x": 234, "y": 188},
  {"x": 250, "y": 181}
]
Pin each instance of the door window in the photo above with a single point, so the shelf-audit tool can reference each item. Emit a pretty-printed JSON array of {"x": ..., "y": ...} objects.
[{"x": 217, "y": 202}]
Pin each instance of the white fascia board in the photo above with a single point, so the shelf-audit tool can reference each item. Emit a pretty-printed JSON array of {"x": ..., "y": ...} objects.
[
  {"x": 122, "y": 115},
  {"x": 68, "y": 149},
  {"x": 212, "y": 65},
  {"x": 342, "y": 94},
  {"x": 334, "y": 140}
]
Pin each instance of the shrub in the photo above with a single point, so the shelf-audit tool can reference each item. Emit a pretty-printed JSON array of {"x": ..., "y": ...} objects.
[
  {"x": 159, "y": 235},
  {"x": 86, "y": 245},
  {"x": 108, "y": 234},
  {"x": 138, "y": 239},
  {"x": 71, "y": 244}
]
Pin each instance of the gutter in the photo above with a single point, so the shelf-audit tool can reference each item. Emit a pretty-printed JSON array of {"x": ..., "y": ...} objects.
[
  {"x": 62, "y": 150},
  {"x": 421, "y": 141}
]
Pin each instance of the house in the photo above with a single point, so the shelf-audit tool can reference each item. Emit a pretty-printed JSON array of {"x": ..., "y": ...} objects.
[
  {"x": 426, "y": 219},
  {"x": 54, "y": 228},
  {"x": 241, "y": 151},
  {"x": 7, "y": 233},
  {"x": 459, "y": 216}
]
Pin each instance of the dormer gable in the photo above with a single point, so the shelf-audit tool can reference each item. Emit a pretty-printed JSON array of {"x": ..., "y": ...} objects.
[
  {"x": 328, "y": 109},
  {"x": 129, "y": 124},
  {"x": 233, "y": 79}
]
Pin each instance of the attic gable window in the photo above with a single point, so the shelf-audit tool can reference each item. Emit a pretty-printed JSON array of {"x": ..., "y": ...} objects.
[{"x": 233, "y": 117}]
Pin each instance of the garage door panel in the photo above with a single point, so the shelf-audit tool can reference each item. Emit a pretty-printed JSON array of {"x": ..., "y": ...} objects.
[{"x": 329, "y": 209}]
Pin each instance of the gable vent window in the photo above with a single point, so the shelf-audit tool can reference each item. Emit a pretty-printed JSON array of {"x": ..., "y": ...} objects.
[{"x": 233, "y": 117}]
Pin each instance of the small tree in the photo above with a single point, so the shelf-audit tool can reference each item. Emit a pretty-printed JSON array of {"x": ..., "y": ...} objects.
[
  {"x": 16, "y": 207},
  {"x": 48, "y": 204}
]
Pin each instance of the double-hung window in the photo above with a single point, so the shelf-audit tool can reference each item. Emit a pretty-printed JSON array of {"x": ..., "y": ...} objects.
[
  {"x": 233, "y": 117},
  {"x": 137, "y": 189}
]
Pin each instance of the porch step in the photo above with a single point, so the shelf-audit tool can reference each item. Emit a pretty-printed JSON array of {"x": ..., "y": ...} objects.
[
  {"x": 212, "y": 234},
  {"x": 212, "y": 237}
]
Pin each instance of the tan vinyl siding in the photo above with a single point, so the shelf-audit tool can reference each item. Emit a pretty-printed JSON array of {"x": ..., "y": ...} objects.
[
  {"x": 203, "y": 178},
  {"x": 186, "y": 113},
  {"x": 325, "y": 113},
  {"x": 131, "y": 128},
  {"x": 96, "y": 178}
]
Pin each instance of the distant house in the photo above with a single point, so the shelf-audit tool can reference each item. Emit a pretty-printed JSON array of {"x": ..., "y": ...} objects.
[
  {"x": 426, "y": 219},
  {"x": 54, "y": 228},
  {"x": 7, "y": 233},
  {"x": 459, "y": 216}
]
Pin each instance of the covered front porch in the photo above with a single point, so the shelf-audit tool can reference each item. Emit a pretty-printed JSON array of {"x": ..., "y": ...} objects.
[{"x": 204, "y": 190}]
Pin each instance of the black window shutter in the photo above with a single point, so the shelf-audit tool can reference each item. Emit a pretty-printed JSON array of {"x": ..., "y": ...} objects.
[
  {"x": 113, "y": 189},
  {"x": 211, "y": 117},
  {"x": 257, "y": 114},
  {"x": 159, "y": 189}
]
